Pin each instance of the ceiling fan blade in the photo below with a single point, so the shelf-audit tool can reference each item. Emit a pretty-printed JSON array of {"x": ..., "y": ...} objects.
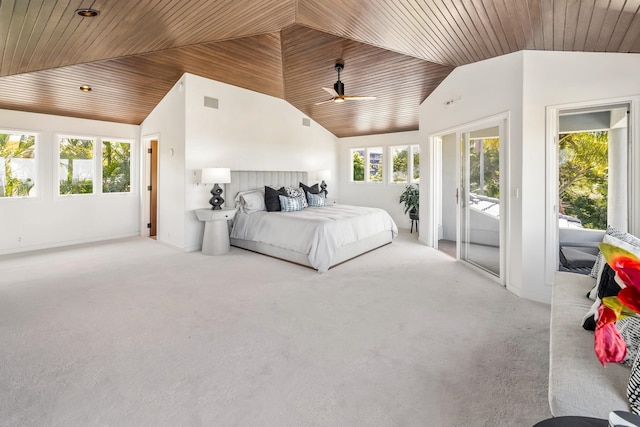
[
  {"x": 331, "y": 91},
  {"x": 359, "y": 98},
  {"x": 325, "y": 102}
]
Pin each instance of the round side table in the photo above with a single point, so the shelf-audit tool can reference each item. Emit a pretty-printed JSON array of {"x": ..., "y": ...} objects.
[{"x": 216, "y": 231}]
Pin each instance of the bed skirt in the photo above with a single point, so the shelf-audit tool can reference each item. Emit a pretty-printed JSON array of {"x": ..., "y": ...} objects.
[{"x": 343, "y": 253}]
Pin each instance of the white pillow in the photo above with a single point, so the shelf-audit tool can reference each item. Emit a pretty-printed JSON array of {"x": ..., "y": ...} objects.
[
  {"x": 253, "y": 202},
  {"x": 251, "y": 197}
]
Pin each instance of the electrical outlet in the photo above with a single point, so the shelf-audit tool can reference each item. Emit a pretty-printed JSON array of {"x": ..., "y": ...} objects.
[{"x": 19, "y": 239}]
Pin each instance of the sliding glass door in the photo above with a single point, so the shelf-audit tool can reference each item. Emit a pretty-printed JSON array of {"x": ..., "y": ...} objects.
[{"x": 479, "y": 199}]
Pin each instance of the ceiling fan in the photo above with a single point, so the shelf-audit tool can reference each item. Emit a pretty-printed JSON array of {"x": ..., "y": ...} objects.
[{"x": 337, "y": 93}]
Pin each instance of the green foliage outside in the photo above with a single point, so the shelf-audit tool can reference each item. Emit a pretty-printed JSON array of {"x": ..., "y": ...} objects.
[
  {"x": 491, "y": 149},
  {"x": 400, "y": 160},
  {"x": 358, "y": 166},
  {"x": 400, "y": 165},
  {"x": 10, "y": 149},
  {"x": 75, "y": 149},
  {"x": 116, "y": 157},
  {"x": 583, "y": 177}
]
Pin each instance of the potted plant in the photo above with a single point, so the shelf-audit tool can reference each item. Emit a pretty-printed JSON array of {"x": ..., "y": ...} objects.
[{"x": 411, "y": 199}]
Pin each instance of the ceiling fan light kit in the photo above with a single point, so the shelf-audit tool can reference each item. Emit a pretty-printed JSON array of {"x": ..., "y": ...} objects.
[{"x": 337, "y": 93}]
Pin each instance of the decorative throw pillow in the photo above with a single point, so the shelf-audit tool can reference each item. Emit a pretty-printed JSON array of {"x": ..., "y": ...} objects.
[
  {"x": 314, "y": 189},
  {"x": 297, "y": 192},
  {"x": 629, "y": 329},
  {"x": 607, "y": 287},
  {"x": 315, "y": 200},
  {"x": 620, "y": 235},
  {"x": 633, "y": 387},
  {"x": 271, "y": 198},
  {"x": 291, "y": 204}
]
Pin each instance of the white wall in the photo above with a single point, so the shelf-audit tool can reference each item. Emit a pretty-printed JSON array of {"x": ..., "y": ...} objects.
[
  {"x": 479, "y": 90},
  {"x": 384, "y": 194},
  {"x": 167, "y": 121},
  {"x": 249, "y": 131},
  {"x": 552, "y": 79},
  {"x": 50, "y": 220},
  {"x": 524, "y": 84}
]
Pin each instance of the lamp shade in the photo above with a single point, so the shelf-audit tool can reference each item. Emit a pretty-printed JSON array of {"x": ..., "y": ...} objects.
[
  {"x": 323, "y": 175},
  {"x": 215, "y": 176}
]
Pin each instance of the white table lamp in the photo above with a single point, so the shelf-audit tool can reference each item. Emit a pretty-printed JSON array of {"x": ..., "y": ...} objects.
[{"x": 215, "y": 176}]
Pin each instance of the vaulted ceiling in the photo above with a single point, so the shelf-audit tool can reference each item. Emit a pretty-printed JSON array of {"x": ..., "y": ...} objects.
[{"x": 133, "y": 52}]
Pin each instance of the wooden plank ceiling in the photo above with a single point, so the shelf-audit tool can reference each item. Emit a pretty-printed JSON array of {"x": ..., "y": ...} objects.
[{"x": 398, "y": 50}]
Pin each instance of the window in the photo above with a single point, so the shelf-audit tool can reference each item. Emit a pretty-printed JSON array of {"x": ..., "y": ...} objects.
[
  {"x": 415, "y": 153},
  {"x": 116, "y": 167},
  {"x": 404, "y": 171},
  {"x": 367, "y": 159},
  {"x": 76, "y": 168},
  {"x": 400, "y": 164},
  {"x": 17, "y": 164},
  {"x": 375, "y": 164},
  {"x": 357, "y": 164}
]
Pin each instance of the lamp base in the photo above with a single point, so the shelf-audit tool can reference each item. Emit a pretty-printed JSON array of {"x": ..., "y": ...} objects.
[{"x": 217, "y": 199}]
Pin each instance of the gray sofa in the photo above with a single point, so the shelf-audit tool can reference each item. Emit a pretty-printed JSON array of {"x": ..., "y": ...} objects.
[{"x": 578, "y": 384}]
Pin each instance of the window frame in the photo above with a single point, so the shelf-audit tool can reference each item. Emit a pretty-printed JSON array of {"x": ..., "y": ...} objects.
[
  {"x": 411, "y": 149},
  {"x": 57, "y": 160},
  {"x": 37, "y": 186},
  {"x": 367, "y": 164},
  {"x": 101, "y": 169}
]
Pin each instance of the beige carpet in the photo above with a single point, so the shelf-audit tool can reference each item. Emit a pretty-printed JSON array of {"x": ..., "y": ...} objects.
[{"x": 132, "y": 333}]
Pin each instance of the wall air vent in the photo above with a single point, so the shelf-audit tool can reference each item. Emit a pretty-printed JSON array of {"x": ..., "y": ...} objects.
[{"x": 211, "y": 102}]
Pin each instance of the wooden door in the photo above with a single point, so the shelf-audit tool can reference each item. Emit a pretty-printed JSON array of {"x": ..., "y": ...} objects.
[{"x": 153, "y": 187}]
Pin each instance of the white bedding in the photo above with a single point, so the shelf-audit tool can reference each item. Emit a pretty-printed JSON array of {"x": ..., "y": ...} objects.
[{"x": 316, "y": 232}]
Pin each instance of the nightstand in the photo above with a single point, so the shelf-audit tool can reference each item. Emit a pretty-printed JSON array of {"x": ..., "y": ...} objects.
[{"x": 216, "y": 230}]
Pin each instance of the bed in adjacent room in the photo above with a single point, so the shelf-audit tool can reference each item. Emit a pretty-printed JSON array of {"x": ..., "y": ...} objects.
[{"x": 316, "y": 236}]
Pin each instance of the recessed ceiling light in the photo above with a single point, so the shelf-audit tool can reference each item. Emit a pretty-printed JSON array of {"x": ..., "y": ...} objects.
[
  {"x": 87, "y": 13},
  {"x": 85, "y": 88}
]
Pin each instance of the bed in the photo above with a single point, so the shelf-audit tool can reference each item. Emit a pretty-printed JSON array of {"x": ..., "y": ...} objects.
[{"x": 317, "y": 237}]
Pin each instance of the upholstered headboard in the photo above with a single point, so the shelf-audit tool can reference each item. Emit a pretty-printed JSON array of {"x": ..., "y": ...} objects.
[{"x": 250, "y": 180}]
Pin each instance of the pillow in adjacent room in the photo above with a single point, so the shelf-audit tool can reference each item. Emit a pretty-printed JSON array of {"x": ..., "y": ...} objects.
[
  {"x": 291, "y": 204},
  {"x": 607, "y": 284},
  {"x": 607, "y": 287},
  {"x": 271, "y": 198},
  {"x": 633, "y": 387},
  {"x": 629, "y": 329},
  {"x": 620, "y": 235},
  {"x": 315, "y": 200}
]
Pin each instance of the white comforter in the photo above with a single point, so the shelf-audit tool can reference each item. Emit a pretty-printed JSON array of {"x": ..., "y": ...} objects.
[{"x": 316, "y": 232}]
